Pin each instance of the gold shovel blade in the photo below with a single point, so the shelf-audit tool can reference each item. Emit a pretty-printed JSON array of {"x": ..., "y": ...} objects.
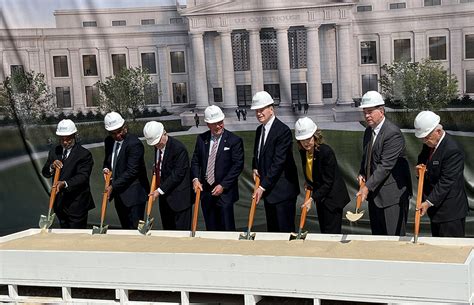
[
  {"x": 46, "y": 222},
  {"x": 353, "y": 217},
  {"x": 299, "y": 235},
  {"x": 145, "y": 226},
  {"x": 99, "y": 230}
]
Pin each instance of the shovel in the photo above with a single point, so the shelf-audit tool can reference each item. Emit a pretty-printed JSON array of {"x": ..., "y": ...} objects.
[
  {"x": 46, "y": 221},
  {"x": 421, "y": 177},
  {"x": 304, "y": 211},
  {"x": 103, "y": 229},
  {"x": 145, "y": 226},
  {"x": 195, "y": 213},
  {"x": 353, "y": 217},
  {"x": 248, "y": 235}
]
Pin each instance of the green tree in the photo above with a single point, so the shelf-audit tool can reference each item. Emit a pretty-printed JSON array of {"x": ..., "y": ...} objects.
[
  {"x": 26, "y": 97},
  {"x": 124, "y": 92},
  {"x": 420, "y": 85}
]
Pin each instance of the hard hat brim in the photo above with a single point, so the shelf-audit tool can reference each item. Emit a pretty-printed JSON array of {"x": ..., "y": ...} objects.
[
  {"x": 218, "y": 119},
  {"x": 65, "y": 134},
  {"x": 154, "y": 141},
  {"x": 115, "y": 127},
  {"x": 308, "y": 135},
  {"x": 361, "y": 106},
  {"x": 261, "y": 106}
]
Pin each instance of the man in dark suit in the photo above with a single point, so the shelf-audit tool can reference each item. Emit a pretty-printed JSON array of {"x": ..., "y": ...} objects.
[
  {"x": 384, "y": 169},
  {"x": 172, "y": 177},
  {"x": 74, "y": 199},
  {"x": 444, "y": 196},
  {"x": 217, "y": 162},
  {"x": 124, "y": 156},
  {"x": 273, "y": 162}
]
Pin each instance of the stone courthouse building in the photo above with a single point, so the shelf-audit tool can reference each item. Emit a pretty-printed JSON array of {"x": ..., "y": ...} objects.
[{"x": 223, "y": 51}]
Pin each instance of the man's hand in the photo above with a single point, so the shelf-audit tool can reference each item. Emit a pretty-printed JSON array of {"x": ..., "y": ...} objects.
[
  {"x": 258, "y": 195},
  {"x": 56, "y": 164},
  {"x": 155, "y": 194},
  {"x": 363, "y": 192},
  {"x": 197, "y": 185},
  {"x": 109, "y": 191},
  {"x": 255, "y": 174},
  {"x": 105, "y": 171},
  {"x": 307, "y": 204},
  {"x": 60, "y": 185},
  {"x": 218, "y": 190},
  {"x": 424, "y": 208}
]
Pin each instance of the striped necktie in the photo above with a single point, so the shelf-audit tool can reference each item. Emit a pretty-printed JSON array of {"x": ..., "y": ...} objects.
[{"x": 211, "y": 162}]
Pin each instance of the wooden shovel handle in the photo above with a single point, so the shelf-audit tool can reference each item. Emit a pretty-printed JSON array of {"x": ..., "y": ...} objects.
[
  {"x": 196, "y": 210},
  {"x": 254, "y": 203},
  {"x": 108, "y": 176},
  {"x": 150, "y": 197},
  {"x": 421, "y": 177},
  {"x": 304, "y": 210},
  {"x": 359, "y": 198},
  {"x": 54, "y": 187}
]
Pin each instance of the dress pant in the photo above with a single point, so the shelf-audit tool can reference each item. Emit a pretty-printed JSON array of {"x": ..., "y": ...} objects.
[
  {"x": 172, "y": 220},
  {"x": 454, "y": 228},
  {"x": 218, "y": 214},
  {"x": 129, "y": 216},
  {"x": 330, "y": 222},
  {"x": 281, "y": 216},
  {"x": 72, "y": 222},
  {"x": 390, "y": 220}
]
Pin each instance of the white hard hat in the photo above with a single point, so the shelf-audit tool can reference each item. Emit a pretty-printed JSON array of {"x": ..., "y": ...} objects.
[
  {"x": 66, "y": 128},
  {"x": 113, "y": 121},
  {"x": 213, "y": 114},
  {"x": 305, "y": 128},
  {"x": 261, "y": 99},
  {"x": 425, "y": 122},
  {"x": 371, "y": 99},
  {"x": 153, "y": 131}
]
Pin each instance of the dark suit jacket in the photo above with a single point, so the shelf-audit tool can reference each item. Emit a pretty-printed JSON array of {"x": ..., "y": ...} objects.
[
  {"x": 444, "y": 181},
  {"x": 76, "y": 199},
  {"x": 229, "y": 163},
  {"x": 390, "y": 178},
  {"x": 277, "y": 168},
  {"x": 130, "y": 180},
  {"x": 175, "y": 176},
  {"x": 328, "y": 186}
]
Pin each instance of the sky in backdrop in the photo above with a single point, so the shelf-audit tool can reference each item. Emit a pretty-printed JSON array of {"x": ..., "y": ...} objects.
[{"x": 39, "y": 13}]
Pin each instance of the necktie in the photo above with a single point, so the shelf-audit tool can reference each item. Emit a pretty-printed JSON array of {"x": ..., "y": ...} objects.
[
  {"x": 158, "y": 168},
  {"x": 64, "y": 155},
  {"x": 432, "y": 150},
  {"x": 309, "y": 165},
  {"x": 262, "y": 143},
  {"x": 116, "y": 151},
  {"x": 211, "y": 162},
  {"x": 369, "y": 154}
]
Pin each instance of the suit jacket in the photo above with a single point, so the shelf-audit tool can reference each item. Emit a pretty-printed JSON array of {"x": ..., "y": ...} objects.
[
  {"x": 130, "y": 181},
  {"x": 76, "y": 199},
  {"x": 277, "y": 168},
  {"x": 328, "y": 186},
  {"x": 175, "y": 176},
  {"x": 229, "y": 162},
  {"x": 390, "y": 174},
  {"x": 444, "y": 181}
]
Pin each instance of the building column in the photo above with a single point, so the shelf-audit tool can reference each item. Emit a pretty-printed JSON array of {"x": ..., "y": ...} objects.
[
  {"x": 164, "y": 80},
  {"x": 313, "y": 71},
  {"x": 228, "y": 77},
  {"x": 200, "y": 75},
  {"x": 456, "y": 56},
  {"x": 133, "y": 57},
  {"x": 344, "y": 65},
  {"x": 2, "y": 68},
  {"x": 103, "y": 64},
  {"x": 385, "y": 49},
  {"x": 256, "y": 68},
  {"x": 420, "y": 46},
  {"x": 284, "y": 66},
  {"x": 78, "y": 91}
]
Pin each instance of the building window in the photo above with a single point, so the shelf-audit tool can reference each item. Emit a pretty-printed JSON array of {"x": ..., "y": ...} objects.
[
  {"x": 298, "y": 94},
  {"x": 89, "y": 24},
  {"x": 178, "y": 63},
  {"x": 240, "y": 50},
  {"x": 396, "y": 6},
  {"x": 297, "y": 46},
  {"x": 268, "y": 44},
  {"x": 364, "y": 8},
  {"x": 176, "y": 20},
  {"x": 432, "y": 2},
  {"x": 119, "y": 23},
  {"x": 16, "y": 69},
  {"x": 369, "y": 83},
  {"x": 327, "y": 90},
  {"x": 151, "y": 94},
  {"x": 244, "y": 95},
  {"x": 60, "y": 66},
  {"x": 92, "y": 93},
  {"x": 437, "y": 48},
  {"x": 401, "y": 50},
  {"x": 63, "y": 97},
  {"x": 149, "y": 63},
  {"x": 469, "y": 81},
  {"x": 217, "y": 95},
  {"x": 147, "y": 21},
  {"x": 469, "y": 42},
  {"x": 89, "y": 65},
  {"x": 368, "y": 52},
  {"x": 180, "y": 93},
  {"x": 274, "y": 91},
  {"x": 119, "y": 62}
]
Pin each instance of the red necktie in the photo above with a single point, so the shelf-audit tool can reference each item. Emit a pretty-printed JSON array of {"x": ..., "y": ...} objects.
[
  {"x": 158, "y": 168},
  {"x": 432, "y": 150}
]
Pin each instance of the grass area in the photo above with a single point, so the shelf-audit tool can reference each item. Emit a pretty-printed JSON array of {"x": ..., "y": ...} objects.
[{"x": 23, "y": 198}]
